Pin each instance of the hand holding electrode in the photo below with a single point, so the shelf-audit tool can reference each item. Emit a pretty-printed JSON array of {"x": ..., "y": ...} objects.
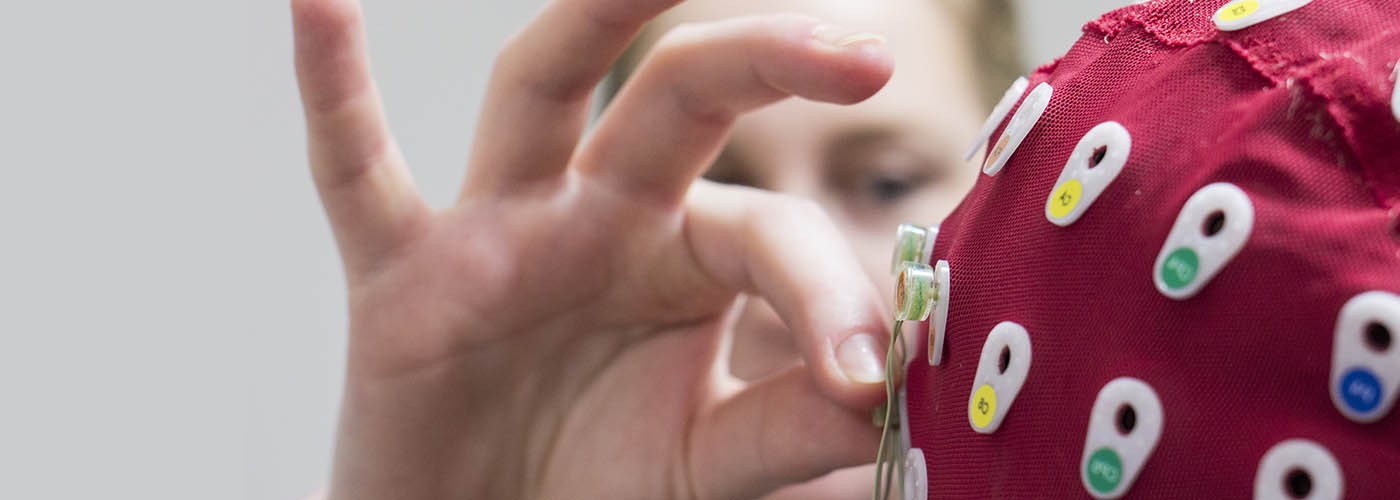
[{"x": 561, "y": 330}]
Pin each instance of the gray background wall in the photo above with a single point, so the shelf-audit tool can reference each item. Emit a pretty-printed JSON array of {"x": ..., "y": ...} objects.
[{"x": 171, "y": 312}]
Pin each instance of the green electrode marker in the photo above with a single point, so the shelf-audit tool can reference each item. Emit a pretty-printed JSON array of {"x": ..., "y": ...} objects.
[
  {"x": 1180, "y": 268},
  {"x": 1104, "y": 470}
]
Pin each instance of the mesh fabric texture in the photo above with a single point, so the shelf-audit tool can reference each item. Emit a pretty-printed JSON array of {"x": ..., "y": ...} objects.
[{"x": 1294, "y": 111}]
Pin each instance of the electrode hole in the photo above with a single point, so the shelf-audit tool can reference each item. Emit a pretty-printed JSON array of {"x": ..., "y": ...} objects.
[
  {"x": 1097, "y": 158},
  {"x": 1215, "y": 222},
  {"x": 1378, "y": 337},
  {"x": 1005, "y": 360},
  {"x": 1127, "y": 419},
  {"x": 1298, "y": 483}
]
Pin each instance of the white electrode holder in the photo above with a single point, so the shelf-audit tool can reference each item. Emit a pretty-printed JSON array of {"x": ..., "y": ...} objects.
[
  {"x": 1095, "y": 163},
  {"x": 1001, "y": 372},
  {"x": 1211, "y": 229},
  {"x": 1365, "y": 359},
  {"x": 1025, "y": 119},
  {"x": 1124, "y": 428},
  {"x": 938, "y": 324},
  {"x": 1241, "y": 14},
  {"x": 1003, "y": 108},
  {"x": 1395, "y": 93},
  {"x": 915, "y": 485},
  {"x": 1298, "y": 469}
]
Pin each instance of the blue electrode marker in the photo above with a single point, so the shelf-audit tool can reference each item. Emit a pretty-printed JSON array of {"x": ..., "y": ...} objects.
[
  {"x": 1365, "y": 360},
  {"x": 1361, "y": 390}
]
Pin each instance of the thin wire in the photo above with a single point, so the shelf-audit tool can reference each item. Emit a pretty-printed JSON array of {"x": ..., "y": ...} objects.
[{"x": 887, "y": 459}]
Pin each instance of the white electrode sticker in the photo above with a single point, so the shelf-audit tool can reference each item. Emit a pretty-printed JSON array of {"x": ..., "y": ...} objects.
[
  {"x": 1094, "y": 164},
  {"x": 1211, "y": 229},
  {"x": 1241, "y": 14},
  {"x": 1298, "y": 469},
  {"x": 1124, "y": 428},
  {"x": 1365, "y": 359},
  {"x": 1003, "y": 108},
  {"x": 1395, "y": 94},
  {"x": 915, "y": 476},
  {"x": 938, "y": 325},
  {"x": 1001, "y": 372},
  {"x": 1025, "y": 119}
]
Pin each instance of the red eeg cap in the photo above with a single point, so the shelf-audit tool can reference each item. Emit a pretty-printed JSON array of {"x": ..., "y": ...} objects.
[{"x": 1257, "y": 315}]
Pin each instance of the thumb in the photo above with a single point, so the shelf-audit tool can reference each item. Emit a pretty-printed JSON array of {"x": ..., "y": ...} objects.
[{"x": 777, "y": 432}]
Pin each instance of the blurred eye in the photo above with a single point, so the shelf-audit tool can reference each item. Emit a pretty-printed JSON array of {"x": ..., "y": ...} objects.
[
  {"x": 889, "y": 189},
  {"x": 875, "y": 171},
  {"x": 882, "y": 179}
]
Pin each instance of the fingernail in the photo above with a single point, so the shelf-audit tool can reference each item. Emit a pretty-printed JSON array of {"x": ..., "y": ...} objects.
[
  {"x": 859, "y": 357},
  {"x": 839, "y": 37}
]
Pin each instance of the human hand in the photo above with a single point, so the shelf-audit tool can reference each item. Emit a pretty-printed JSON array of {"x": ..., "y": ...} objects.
[{"x": 561, "y": 330}]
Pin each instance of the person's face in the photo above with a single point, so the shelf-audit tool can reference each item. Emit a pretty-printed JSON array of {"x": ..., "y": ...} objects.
[
  {"x": 891, "y": 159},
  {"x": 894, "y": 158}
]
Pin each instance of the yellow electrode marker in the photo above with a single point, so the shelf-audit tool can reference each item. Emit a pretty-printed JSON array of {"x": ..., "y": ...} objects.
[
  {"x": 1066, "y": 198},
  {"x": 983, "y": 406},
  {"x": 1239, "y": 10}
]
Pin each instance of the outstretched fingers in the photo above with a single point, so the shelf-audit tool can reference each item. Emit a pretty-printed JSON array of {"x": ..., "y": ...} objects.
[
  {"x": 366, "y": 188},
  {"x": 537, "y": 101},
  {"x": 666, "y": 126}
]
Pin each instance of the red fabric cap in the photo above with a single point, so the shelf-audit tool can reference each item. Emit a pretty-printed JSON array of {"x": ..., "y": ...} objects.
[{"x": 1296, "y": 112}]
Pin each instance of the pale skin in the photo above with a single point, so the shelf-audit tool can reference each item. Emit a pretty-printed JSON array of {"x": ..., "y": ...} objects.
[
  {"x": 893, "y": 158},
  {"x": 560, "y": 331}
]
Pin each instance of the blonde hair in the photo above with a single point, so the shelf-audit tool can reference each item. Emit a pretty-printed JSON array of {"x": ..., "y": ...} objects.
[{"x": 990, "y": 28}]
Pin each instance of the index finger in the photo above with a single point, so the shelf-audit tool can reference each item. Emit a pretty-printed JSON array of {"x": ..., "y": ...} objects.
[
  {"x": 790, "y": 253},
  {"x": 537, "y": 101}
]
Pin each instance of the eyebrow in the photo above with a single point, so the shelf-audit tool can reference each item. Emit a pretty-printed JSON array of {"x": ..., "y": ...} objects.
[
  {"x": 862, "y": 138},
  {"x": 851, "y": 148}
]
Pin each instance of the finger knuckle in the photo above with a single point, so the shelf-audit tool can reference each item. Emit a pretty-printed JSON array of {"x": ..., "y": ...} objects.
[
  {"x": 517, "y": 65},
  {"x": 678, "y": 44}
]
